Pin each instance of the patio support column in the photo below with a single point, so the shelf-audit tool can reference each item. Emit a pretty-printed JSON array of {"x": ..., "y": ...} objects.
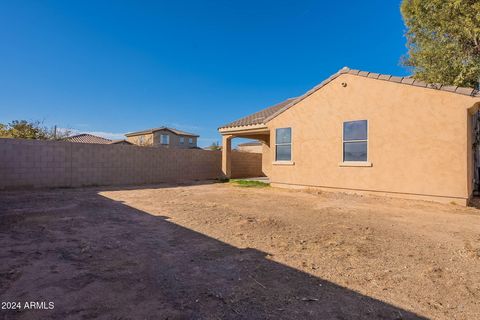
[{"x": 227, "y": 156}]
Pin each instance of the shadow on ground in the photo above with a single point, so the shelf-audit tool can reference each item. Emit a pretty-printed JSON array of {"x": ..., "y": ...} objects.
[{"x": 98, "y": 258}]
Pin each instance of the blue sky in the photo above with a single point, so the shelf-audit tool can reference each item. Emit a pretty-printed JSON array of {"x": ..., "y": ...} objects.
[{"x": 120, "y": 66}]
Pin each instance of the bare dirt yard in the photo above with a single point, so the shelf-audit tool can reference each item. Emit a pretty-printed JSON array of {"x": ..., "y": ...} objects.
[{"x": 220, "y": 251}]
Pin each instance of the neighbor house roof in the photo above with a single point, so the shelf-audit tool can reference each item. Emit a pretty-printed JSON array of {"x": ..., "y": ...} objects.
[
  {"x": 175, "y": 131},
  {"x": 90, "y": 138},
  {"x": 265, "y": 115}
]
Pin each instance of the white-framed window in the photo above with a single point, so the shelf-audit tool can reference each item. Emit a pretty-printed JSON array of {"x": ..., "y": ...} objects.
[
  {"x": 355, "y": 141},
  {"x": 190, "y": 140},
  {"x": 164, "y": 139},
  {"x": 283, "y": 144},
  {"x": 141, "y": 140},
  {"x": 182, "y": 140}
]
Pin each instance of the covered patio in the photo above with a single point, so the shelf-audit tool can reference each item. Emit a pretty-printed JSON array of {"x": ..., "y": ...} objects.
[
  {"x": 257, "y": 132},
  {"x": 250, "y": 127}
]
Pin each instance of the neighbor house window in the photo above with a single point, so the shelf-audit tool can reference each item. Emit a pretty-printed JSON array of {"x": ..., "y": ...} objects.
[
  {"x": 182, "y": 140},
  {"x": 190, "y": 140},
  {"x": 164, "y": 138},
  {"x": 355, "y": 140},
  {"x": 283, "y": 144}
]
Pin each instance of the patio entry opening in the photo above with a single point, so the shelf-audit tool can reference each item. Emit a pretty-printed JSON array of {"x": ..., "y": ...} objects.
[{"x": 260, "y": 134}]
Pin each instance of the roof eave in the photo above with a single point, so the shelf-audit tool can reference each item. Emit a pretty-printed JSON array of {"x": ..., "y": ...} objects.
[
  {"x": 138, "y": 133},
  {"x": 261, "y": 127}
]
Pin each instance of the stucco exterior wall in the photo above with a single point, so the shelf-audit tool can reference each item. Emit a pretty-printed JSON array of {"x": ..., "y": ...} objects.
[
  {"x": 470, "y": 154},
  {"x": 30, "y": 164},
  {"x": 174, "y": 140},
  {"x": 419, "y": 140},
  {"x": 142, "y": 140},
  {"x": 267, "y": 158}
]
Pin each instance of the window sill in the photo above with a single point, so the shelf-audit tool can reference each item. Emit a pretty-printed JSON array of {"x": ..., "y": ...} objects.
[
  {"x": 355, "y": 164},
  {"x": 283, "y": 163}
]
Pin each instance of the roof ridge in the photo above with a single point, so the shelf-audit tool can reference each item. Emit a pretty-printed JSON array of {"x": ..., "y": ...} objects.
[
  {"x": 412, "y": 81},
  {"x": 378, "y": 76},
  {"x": 87, "y": 134},
  {"x": 285, "y": 105},
  {"x": 152, "y": 130}
]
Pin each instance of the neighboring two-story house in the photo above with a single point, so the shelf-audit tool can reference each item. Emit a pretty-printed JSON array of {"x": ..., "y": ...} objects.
[{"x": 163, "y": 137}]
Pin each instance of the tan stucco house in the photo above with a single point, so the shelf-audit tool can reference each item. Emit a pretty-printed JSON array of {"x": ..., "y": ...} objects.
[
  {"x": 365, "y": 132},
  {"x": 163, "y": 137}
]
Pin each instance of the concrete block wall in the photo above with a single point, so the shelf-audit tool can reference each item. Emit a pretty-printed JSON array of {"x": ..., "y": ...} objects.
[
  {"x": 245, "y": 164},
  {"x": 32, "y": 164}
]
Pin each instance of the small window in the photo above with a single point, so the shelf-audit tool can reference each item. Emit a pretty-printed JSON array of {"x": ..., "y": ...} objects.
[
  {"x": 190, "y": 140},
  {"x": 283, "y": 144},
  {"x": 355, "y": 140},
  {"x": 165, "y": 139},
  {"x": 182, "y": 140},
  {"x": 141, "y": 140}
]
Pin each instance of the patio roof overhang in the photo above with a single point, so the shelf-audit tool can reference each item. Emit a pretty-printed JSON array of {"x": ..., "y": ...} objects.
[
  {"x": 245, "y": 131},
  {"x": 255, "y": 131}
]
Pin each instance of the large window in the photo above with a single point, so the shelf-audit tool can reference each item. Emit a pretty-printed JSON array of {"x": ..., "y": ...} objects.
[
  {"x": 283, "y": 144},
  {"x": 164, "y": 139},
  {"x": 190, "y": 140},
  {"x": 355, "y": 140},
  {"x": 182, "y": 140}
]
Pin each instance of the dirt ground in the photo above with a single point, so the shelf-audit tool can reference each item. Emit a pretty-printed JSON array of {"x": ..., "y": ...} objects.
[{"x": 220, "y": 251}]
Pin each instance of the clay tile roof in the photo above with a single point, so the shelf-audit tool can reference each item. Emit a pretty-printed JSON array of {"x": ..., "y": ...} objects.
[
  {"x": 260, "y": 116},
  {"x": 449, "y": 88},
  {"x": 88, "y": 138},
  {"x": 269, "y": 113},
  {"x": 152, "y": 130},
  {"x": 408, "y": 80}
]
